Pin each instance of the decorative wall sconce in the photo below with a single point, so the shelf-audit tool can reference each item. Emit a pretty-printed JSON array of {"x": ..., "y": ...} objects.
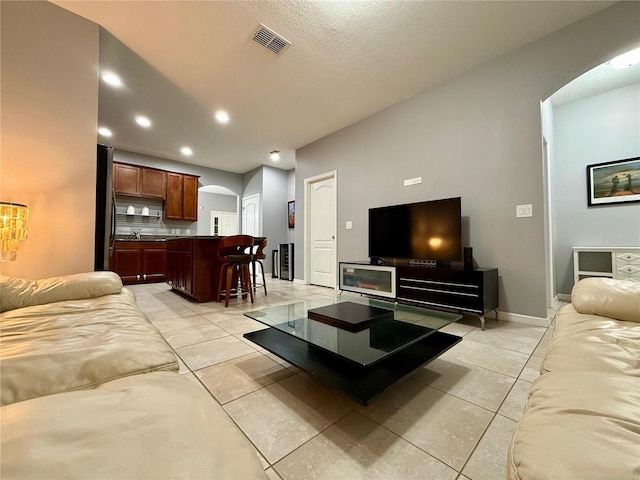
[{"x": 13, "y": 228}]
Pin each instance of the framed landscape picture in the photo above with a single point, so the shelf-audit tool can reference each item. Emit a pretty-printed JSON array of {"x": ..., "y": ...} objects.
[{"x": 614, "y": 182}]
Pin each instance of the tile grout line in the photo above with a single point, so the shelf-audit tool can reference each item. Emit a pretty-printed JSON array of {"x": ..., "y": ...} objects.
[
  {"x": 351, "y": 409},
  {"x": 503, "y": 400}
]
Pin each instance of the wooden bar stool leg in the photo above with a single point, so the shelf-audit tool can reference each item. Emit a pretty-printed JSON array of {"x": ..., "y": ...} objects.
[
  {"x": 228, "y": 292},
  {"x": 222, "y": 272}
]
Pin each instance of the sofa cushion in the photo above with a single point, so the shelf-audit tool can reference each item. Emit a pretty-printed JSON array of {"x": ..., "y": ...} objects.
[
  {"x": 578, "y": 426},
  {"x": 154, "y": 426},
  {"x": 593, "y": 343},
  {"x": 619, "y": 299},
  {"x": 77, "y": 344},
  {"x": 20, "y": 292}
]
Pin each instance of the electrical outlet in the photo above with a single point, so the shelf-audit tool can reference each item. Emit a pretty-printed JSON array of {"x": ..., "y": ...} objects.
[
  {"x": 524, "y": 210},
  {"x": 348, "y": 225}
]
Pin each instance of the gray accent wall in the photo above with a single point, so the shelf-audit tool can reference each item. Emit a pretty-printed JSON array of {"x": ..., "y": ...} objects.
[
  {"x": 214, "y": 201},
  {"x": 598, "y": 129},
  {"x": 274, "y": 210},
  {"x": 252, "y": 182},
  {"x": 477, "y": 136},
  {"x": 291, "y": 195}
]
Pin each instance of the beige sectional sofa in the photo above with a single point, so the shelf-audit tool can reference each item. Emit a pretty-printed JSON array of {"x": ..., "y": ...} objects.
[
  {"x": 582, "y": 416},
  {"x": 90, "y": 389}
]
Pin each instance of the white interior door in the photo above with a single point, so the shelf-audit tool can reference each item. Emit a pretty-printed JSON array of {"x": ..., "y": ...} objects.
[
  {"x": 320, "y": 221},
  {"x": 228, "y": 223},
  {"x": 224, "y": 223},
  {"x": 251, "y": 215}
]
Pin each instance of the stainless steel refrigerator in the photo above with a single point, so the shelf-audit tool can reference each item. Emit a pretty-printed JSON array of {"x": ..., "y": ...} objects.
[{"x": 105, "y": 209}]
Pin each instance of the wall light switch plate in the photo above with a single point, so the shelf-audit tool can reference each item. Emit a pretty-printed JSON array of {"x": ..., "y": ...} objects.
[
  {"x": 524, "y": 210},
  {"x": 412, "y": 181},
  {"x": 348, "y": 225}
]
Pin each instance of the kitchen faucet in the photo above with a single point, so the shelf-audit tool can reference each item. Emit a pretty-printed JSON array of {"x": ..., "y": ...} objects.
[{"x": 136, "y": 233}]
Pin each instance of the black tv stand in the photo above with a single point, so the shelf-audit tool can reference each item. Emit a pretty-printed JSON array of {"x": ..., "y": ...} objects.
[
  {"x": 468, "y": 291},
  {"x": 448, "y": 288}
]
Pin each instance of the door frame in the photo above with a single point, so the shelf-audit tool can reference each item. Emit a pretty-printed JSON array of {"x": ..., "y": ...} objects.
[
  {"x": 308, "y": 183},
  {"x": 550, "y": 271}
]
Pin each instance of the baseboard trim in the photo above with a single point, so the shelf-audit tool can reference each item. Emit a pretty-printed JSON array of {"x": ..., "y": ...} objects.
[
  {"x": 299, "y": 281},
  {"x": 524, "y": 319},
  {"x": 563, "y": 297}
]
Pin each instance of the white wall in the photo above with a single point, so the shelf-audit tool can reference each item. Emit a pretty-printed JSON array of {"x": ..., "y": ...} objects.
[
  {"x": 49, "y": 120},
  {"x": 598, "y": 129},
  {"x": 477, "y": 136}
]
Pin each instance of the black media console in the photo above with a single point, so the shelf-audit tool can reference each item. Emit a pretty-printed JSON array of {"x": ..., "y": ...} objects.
[{"x": 467, "y": 291}]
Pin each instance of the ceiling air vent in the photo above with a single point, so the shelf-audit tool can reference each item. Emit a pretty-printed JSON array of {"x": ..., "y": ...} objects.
[{"x": 271, "y": 40}]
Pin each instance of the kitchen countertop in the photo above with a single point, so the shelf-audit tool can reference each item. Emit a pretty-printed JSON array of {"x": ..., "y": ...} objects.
[
  {"x": 161, "y": 238},
  {"x": 143, "y": 238}
]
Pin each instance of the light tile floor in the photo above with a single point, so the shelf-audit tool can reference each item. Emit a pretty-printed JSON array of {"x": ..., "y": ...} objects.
[{"x": 451, "y": 419}]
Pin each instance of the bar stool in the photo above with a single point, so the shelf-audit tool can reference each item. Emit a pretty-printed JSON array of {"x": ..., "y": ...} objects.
[
  {"x": 233, "y": 258},
  {"x": 258, "y": 256}
]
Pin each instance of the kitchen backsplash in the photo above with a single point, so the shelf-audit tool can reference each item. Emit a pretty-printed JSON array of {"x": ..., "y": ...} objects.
[{"x": 153, "y": 224}]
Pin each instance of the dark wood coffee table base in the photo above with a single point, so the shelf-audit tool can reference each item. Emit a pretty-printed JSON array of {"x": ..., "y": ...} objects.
[{"x": 361, "y": 382}]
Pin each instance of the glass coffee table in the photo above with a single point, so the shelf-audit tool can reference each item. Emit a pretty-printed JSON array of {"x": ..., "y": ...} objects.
[{"x": 358, "y": 344}]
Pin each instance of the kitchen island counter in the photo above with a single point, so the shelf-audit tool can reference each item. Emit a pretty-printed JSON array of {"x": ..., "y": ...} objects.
[{"x": 192, "y": 266}]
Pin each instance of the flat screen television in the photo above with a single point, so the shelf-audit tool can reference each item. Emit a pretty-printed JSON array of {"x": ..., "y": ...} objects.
[{"x": 419, "y": 231}]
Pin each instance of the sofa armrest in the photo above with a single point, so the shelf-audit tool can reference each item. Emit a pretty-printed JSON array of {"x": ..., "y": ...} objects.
[
  {"x": 606, "y": 297},
  {"x": 20, "y": 292}
]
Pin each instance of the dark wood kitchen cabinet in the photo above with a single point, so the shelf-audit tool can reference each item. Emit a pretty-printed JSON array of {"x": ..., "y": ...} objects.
[
  {"x": 181, "y": 202},
  {"x": 138, "y": 181},
  {"x": 126, "y": 179},
  {"x": 192, "y": 267},
  {"x": 140, "y": 261},
  {"x": 153, "y": 183}
]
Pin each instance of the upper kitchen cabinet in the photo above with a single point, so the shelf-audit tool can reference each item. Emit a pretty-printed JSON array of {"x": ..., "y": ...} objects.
[
  {"x": 181, "y": 202},
  {"x": 126, "y": 179},
  {"x": 138, "y": 181},
  {"x": 153, "y": 183}
]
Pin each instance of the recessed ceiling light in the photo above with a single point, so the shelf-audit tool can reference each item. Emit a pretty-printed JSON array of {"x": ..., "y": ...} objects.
[
  {"x": 626, "y": 60},
  {"x": 105, "y": 132},
  {"x": 186, "y": 151},
  {"x": 222, "y": 116},
  {"x": 112, "y": 79},
  {"x": 274, "y": 155},
  {"x": 143, "y": 121}
]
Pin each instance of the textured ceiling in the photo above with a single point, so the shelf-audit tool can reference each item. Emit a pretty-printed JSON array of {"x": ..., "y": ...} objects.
[{"x": 348, "y": 60}]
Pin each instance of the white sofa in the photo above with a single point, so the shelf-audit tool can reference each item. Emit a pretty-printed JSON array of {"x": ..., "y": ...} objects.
[
  {"x": 582, "y": 416},
  {"x": 90, "y": 389}
]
